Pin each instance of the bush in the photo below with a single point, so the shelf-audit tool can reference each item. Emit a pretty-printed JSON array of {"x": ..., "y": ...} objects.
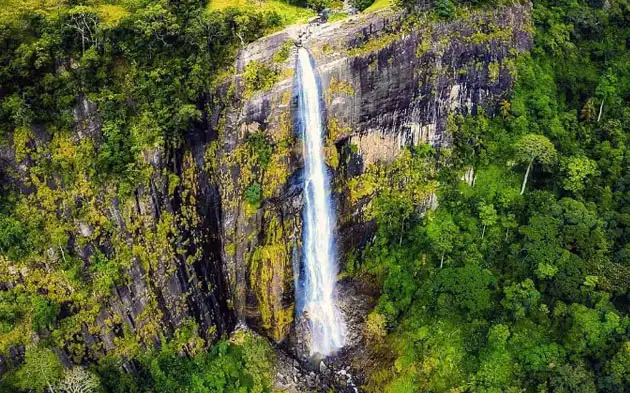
[
  {"x": 44, "y": 313},
  {"x": 362, "y": 4},
  {"x": 253, "y": 194},
  {"x": 375, "y": 328},
  {"x": 318, "y": 5},
  {"x": 260, "y": 148},
  {"x": 14, "y": 239},
  {"x": 258, "y": 77},
  {"x": 445, "y": 8}
]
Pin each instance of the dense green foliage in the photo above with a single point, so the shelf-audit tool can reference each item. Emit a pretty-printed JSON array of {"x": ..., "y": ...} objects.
[
  {"x": 362, "y": 4},
  {"x": 89, "y": 91},
  {"x": 518, "y": 281},
  {"x": 241, "y": 365}
]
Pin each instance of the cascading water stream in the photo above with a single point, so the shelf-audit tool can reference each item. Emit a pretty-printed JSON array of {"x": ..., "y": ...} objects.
[{"x": 326, "y": 324}]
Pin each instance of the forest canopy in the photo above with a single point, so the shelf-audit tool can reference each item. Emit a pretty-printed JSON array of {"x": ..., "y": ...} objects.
[{"x": 518, "y": 280}]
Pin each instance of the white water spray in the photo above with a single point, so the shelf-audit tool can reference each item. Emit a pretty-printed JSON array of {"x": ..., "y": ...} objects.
[{"x": 326, "y": 324}]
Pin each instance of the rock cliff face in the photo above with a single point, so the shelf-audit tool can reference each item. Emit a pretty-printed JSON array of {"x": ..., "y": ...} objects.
[
  {"x": 212, "y": 235},
  {"x": 166, "y": 234},
  {"x": 389, "y": 82}
]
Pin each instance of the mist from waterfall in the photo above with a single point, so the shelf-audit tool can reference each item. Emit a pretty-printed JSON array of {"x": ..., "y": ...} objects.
[{"x": 317, "y": 286}]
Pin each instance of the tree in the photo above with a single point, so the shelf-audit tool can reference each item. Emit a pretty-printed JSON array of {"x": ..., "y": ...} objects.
[
  {"x": 532, "y": 148},
  {"x": 495, "y": 371},
  {"x": 445, "y": 8},
  {"x": 467, "y": 289},
  {"x": 576, "y": 170},
  {"x": 362, "y": 4},
  {"x": 572, "y": 378},
  {"x": 442, "y": 231},
  {"x": 521, "y": 298},
  {"x": 606, "y": 88},
  {"x": 592, "y": 330},
  {"x": 157, "y": 24},
  {"x": 83, "y": 19},
  {"x": 41, "y": 370},
  {"x": 318, "y": 5},
  {"x": 241, "y": 23},
  {"x": 488, "y": 216},
  {"x": 79, "y": 380},
  {"x": 618, "y": 368}
]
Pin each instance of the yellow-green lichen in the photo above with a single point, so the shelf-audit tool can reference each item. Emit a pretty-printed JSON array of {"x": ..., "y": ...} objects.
[
  {"x": 338, "y": 87},
  {"x": 270, "y": 275},
  {"x": 283, "y": 53},
  {"x": 493, "y": 71},
  {"x": 374, "y": 44}
]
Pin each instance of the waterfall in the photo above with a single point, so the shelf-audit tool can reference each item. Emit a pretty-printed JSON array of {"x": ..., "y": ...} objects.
[{"x": 317, "y": 297}]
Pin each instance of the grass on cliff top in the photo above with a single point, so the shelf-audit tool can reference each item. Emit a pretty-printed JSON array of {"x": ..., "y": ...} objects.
[
  {"x": 290, "y": 14},
  {"x": 11, "y": 10},
  {"x": 378, "y": 5}
]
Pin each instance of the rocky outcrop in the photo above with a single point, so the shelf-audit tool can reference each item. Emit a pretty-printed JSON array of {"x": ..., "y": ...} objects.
[{"x": 389, "y": 82}]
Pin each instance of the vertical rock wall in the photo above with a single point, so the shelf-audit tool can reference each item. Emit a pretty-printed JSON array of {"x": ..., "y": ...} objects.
[
  {"x": 149, "y": 256},
  {"x": 390, "y": 82}
]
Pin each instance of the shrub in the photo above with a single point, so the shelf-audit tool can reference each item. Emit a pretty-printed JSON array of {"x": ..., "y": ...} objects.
[
  {"x": 445, "y": 8},
  {"x": 44, "y": 313},
  {"x": 260, "y": 148},
  {"x": 375, "y": 327},
  {"x": 258, "y": 77},
  {"x": 253, "y": 194},
  {"x": 318, "y": 5},
  {"x": 362, "y": 4},
  {"x": 14, "y": 239}
]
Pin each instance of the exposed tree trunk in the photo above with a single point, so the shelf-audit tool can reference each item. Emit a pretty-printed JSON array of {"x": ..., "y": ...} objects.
[
  {"x": 601, "y": 107},
  {"x": 529, "y": 166},
  {"x": 442, "y": 261},
  {"x": 240, "y": 37},
  {"x": 483, "y": 232},
  {"x": 63, "y": 255}
]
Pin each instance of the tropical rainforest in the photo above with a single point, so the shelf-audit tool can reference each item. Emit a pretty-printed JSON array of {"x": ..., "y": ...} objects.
[{"x": 516, "y": 280}]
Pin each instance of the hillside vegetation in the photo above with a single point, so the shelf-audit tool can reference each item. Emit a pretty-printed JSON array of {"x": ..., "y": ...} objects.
[
  {"x": 518, "y": 281},
  {"x": 142, "y": 65}
]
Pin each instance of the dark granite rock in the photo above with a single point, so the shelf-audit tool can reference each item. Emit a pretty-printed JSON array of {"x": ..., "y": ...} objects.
[{"x": 386, "y": 85}]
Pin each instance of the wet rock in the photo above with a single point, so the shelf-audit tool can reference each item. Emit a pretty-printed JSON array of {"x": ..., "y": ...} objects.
[
  {"x": 322, "y": 368},
  {"x": 87, "y": 121},
  {"x": 85, "y": 230}
]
